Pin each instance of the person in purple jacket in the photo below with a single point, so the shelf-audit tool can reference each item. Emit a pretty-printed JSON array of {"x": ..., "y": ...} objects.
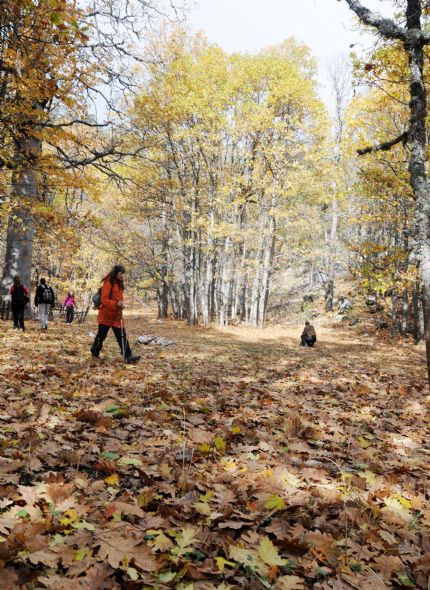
[{"x": 69, "y": 304}]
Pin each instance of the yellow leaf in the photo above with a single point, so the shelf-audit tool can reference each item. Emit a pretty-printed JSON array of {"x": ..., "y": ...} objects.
[
  {"x": 404, "y": 501},
  {"x": 72, "y": 515},
  {"x": 369, "y": 476},
  {"x": 235, "y": 429},
  {"x": 248, "y": 557},
  {"x": 219, "y": 443},
  {"x": 269, "y": 553},
  {"x": 275, "y": 503},
  {"x": 363, "y": 442},
  {"x": 204, "y": 448},
  {"x": 162, "y": 543},
  {"x": 165, "y": 470},
  {"x": 221, "y": 563},
  {"x": 202, "y": 508},
  {"x": 206, "y": 497},
  {"x": 184, "y": 540},
  {"x": 112, "y": 480}
]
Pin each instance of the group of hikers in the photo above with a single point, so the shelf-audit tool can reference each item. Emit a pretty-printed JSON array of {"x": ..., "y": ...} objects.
[
  {"x": 109, "y": 300},
  {"x": 110, "y": 305},
  {"x": 44, "y": 301}
]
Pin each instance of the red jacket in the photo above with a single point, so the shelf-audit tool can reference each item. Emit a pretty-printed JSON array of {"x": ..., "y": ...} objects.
[
  {"x": 13, "y": 299},
  {"x": 109, "y": 314}
]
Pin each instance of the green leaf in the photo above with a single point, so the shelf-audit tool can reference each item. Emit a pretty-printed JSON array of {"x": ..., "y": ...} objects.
[
  {"x": 56, "y": 18},
  {"x": 405, "y": 580},
  {"x": 23, "y": 513},
  {"x": 166, "y": 576},
  {"x": 52, "y": 509},
  {"x": 130, "y": 461},
  {"x": 110, "y": 455}
]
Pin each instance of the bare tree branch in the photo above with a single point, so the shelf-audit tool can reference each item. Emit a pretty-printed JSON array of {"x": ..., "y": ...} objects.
[
  {"x": 386, "y": 27},
  {"x": 387, "y": 145}
]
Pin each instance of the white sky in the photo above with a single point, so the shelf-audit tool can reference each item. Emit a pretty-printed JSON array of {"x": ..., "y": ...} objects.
[{"x": 327, "y": 27}]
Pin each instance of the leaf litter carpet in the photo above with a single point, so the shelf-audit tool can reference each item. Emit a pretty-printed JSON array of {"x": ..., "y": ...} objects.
[{"x": 235, "y": 459}]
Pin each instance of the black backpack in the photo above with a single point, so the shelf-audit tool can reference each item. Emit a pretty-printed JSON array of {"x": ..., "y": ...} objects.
[
  {"x": 97, "y": 297},
  {"x": 18, "y": 296},
  {"x": 47, "y": 294}
]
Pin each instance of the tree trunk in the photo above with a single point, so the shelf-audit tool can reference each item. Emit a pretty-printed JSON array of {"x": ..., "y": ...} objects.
[
  {"x": 225, "y": 284},
  {"x": 417, "y": 170},
  {"x": 329, "y": 291},
  {"x": 21, "y": 230},
  {"x": 205, "y": 291},
  {"x": 416, "y": 332},
  {"x": 414, "y": 42},
  {"x": 267, "y": 270},
  {"x": 394, "y": 314},
  {"x": 405, "y": 313},
  {"x": 255, "y": 301}
]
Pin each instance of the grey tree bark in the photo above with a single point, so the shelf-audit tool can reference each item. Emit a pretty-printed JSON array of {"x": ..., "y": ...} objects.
[
  {"x": 414, "y": 39},
  {"x": 20, "y": 231}
]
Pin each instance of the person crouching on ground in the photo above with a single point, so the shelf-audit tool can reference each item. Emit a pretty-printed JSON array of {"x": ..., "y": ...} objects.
[
  {"x": 69, "y": 304},
  {"x": 110, "y": 314},
  {"x": 18, "y": 299},
  {"x": 308, "y": 337}
]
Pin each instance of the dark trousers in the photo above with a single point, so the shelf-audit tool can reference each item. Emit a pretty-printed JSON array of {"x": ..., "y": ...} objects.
[
  {"x": 308, "y": 341},
  {"x": 18, "y": 315},
  {"x": 70, "y": 311},
  {"x": 101, "y": 336}
]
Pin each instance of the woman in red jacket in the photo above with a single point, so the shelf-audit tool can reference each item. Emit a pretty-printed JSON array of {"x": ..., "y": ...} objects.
[
  {"x": 110, "y": 314},
  {"x": 19, "y": 299}
]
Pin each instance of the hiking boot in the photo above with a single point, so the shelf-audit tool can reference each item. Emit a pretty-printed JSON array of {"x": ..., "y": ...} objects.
[{"x": 133, "y": 358}]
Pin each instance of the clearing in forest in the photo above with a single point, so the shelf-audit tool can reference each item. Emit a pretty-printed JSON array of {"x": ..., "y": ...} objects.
[{"x": 235, "y": 459}]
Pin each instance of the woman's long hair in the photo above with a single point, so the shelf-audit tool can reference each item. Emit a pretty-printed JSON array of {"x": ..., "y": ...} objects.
[
  {"x": 16, "y": 281},
  {"x": 112, "y": 276}
]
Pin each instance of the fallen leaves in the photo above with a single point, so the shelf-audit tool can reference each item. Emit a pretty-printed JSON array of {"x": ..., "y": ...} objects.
[{"x": 198, "y": 472}]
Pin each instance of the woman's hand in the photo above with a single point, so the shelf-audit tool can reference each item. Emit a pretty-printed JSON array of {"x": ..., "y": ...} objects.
[{"x": 120, "y": 305}]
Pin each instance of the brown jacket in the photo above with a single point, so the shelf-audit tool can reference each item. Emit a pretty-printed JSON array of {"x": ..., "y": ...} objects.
[{"x": 309, "y": 331}]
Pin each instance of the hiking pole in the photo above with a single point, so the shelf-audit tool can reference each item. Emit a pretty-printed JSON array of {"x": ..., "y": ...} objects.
[{"x": 121, "y": 323}]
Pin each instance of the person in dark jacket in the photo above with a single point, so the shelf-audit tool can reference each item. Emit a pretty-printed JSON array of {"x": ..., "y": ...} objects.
[
  {"x": 19, "y": 299},
  {"x": 44, "y": 299},
  {"x": 110, "y": 314},
  {"x": 308, "y": 337}
]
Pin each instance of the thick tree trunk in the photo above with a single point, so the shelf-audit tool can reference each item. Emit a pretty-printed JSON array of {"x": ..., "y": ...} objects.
[
  {"x": 21, "y": 230},
  {"x": 417, "y": 161},
  {"x": 205, "y": 291},
  {"x": 255, "y": 301},
  {"x": 416, "y": 332},
  {"x": 414, "y": 41},
  {"x": 164, "y": 300},
  {"x": 225, "y": 283}
]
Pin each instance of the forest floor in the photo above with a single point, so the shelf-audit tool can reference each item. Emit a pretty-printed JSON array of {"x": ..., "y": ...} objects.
[{"x": 232, "y": 460}]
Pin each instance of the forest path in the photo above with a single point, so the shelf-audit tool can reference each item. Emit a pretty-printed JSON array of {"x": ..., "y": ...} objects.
[{"x": 230, "y": 440}]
